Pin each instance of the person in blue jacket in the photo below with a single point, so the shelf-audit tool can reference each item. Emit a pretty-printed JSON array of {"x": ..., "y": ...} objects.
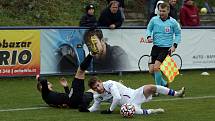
[{"x": 165, "y": 33}]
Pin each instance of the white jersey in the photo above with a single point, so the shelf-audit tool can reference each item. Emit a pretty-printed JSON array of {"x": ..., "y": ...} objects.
[
  {"x": 118, "y": 94},
  {"x": 115, "y": 93}
]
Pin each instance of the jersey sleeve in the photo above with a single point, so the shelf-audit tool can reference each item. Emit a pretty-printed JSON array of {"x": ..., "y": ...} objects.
[
  {"x": 150, "y": 28},
  {"x": 95, "y": 106},
  {"x": 116, "y": 96},
  {"x": 177, "y": 29}
]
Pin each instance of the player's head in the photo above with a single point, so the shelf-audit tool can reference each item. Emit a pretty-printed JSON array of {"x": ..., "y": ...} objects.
[
  {"x": 90, "y": 9},
  {"x": 164, "y": 9},
  {"x": 114, "y": 6},
  {"x": 39, "y": 85},
  {"x": 96, "y": 85},
  {"x": 94, "y": 41}
]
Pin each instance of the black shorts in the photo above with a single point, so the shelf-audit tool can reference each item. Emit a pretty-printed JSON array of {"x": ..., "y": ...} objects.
[
  {"x": 78, "y": 92},
  {"x": 159, "y": 54}
]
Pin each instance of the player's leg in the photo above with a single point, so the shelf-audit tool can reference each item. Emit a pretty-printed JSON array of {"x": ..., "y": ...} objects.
[
  {"x": 140, "y": 98},
  {"x": 77, "y": 89},
  {"x": 158, "y": 75},
  {"x": 148, "y": 111},
  {"x": 150, "y": 89},
  {"x": 163, "y": 52},
  {"x": 154, "y": 65}
]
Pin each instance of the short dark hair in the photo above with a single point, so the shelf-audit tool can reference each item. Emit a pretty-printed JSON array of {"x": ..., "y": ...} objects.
[
  {"x": 89, "y": 33},
  {"x": 92, "y": 81},
  {"x": 165, "y": 5},
  {"x": 113, "y": 2}
]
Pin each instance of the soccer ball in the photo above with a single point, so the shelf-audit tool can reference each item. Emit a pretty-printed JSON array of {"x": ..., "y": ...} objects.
[
  {"x": 127, "y": 110},
  {"x": 203, "y": 11}
]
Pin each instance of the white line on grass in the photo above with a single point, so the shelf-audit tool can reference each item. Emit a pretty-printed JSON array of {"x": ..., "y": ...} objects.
[
  {"x": 156, "y": 100},
  {"x": 185, "y": 98},
  {"x": 21, "y": 109}
]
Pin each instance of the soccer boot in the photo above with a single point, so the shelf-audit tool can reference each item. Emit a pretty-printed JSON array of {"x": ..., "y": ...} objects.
[
  {"x": 181, "y": 93},
  {"x": 92, "y": 45},
  {"x": 159, "y": 110}
]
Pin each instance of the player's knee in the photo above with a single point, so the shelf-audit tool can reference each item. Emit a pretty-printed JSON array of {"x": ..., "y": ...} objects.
[{"x": 149, "y": 89}]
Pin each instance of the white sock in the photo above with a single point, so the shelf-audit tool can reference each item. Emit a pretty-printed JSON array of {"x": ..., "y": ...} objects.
[{"x": 165, "y": 90}]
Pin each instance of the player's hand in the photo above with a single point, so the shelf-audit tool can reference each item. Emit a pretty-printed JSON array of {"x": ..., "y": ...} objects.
[
  {"x": 112, "y": 26},
  {"x": 149, "y": 40},
  {"x": 172, "y": 49},
  {"x": 106, "y": 111},
  {"x": 63, "y": 82}
]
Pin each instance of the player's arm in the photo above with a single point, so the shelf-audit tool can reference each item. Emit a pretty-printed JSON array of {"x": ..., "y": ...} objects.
[
  {"x": 95, "y": 106},
  {"x": 177, "y": 32},
  {"x": 116, "y": 98},
  {"x": 149, "y": 30},
  {"x": 64, "y": 83}
]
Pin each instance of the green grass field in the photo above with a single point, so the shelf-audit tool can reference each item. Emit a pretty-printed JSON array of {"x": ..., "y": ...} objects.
[{"x": 19, "y": 100}]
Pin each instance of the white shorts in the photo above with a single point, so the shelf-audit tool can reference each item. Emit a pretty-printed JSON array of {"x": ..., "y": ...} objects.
[{"x": 138, "y": 98}]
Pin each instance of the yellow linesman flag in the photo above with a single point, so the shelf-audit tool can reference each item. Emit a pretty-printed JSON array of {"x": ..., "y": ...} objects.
[{"x": 169, "y": 68}]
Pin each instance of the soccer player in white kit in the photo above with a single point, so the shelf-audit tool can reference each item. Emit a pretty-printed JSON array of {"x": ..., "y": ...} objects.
[{"x": 118, "y": 94}]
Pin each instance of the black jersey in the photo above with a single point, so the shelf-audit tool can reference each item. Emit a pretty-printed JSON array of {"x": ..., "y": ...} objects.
[
  {"x": 54, "y": 99},
  {"x": 77, "y": 99}
]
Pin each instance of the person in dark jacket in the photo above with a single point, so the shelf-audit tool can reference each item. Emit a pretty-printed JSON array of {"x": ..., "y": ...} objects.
[
  {"x": 111, "y": 16},
  {"x": 121, "y": 6},
  {"x": 73, "y": 98},
  {"x": 189, "y": 14},
  {"x": 89, "y": 19},
  {"x": 173, "y": 10}
]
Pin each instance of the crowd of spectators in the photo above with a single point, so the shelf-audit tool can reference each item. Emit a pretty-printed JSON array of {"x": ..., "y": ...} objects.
[{"x": 113, "y": 15}]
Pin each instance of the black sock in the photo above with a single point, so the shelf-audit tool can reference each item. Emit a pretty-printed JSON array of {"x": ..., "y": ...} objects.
[{"x": 85, "y": 64}]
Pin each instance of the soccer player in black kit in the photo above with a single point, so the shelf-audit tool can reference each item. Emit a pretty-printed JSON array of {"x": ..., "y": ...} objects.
[{"x": 74, "y": 98}]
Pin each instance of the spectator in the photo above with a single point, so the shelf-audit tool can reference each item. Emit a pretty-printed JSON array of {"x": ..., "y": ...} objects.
[
  {"x": 109, "y": 58},
  {"x": 151, "y": 6},
  {"x": 173, "y": 11},
  {"x": 155, "y": 12},
  {"x": 89, "y": 19},
  {"x": 189, "y": 14},
  {"x": 121, "y": 6},
  {"x": 111, "y": 16},
  {"x": 208, "y": 7}
]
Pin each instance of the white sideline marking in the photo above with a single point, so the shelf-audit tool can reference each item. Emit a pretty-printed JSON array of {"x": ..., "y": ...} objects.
[
  {"x": 22, "y": 109},
  {"x": 185, "y": 98},
  {"x": 158, "y": 100}
]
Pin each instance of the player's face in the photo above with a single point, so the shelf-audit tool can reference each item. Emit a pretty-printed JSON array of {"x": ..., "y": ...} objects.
[
  {"x": 98, "y": 87},
  {"x": 163, "y": 12}
]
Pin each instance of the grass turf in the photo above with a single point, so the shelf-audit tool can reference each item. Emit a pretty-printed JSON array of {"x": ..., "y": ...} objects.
[{"x": 22, "y": 93}]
